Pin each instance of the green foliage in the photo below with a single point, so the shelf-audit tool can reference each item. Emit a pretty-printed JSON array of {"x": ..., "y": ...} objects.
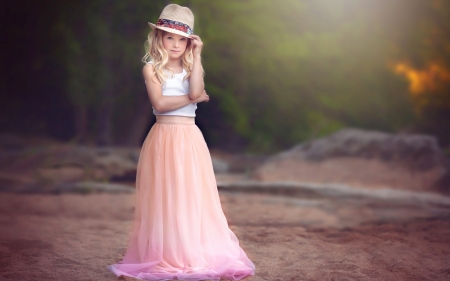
[
  {"x": 281, "y": 71},
  {"x": 101, "y": 48},
  {"x": 299, "y": 69}
]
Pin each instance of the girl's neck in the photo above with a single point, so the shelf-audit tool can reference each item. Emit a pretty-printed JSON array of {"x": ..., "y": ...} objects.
[{"x": 175, "y": 64}]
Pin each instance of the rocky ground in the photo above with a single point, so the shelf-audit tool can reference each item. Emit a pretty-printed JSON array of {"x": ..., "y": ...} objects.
[
  {"x": 360, "y": 158},
  {"x": 352, "y": 206},
  {"x": 316, "y": 237}
]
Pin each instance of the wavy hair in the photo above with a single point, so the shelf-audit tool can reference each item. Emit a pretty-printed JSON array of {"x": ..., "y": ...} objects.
[{"x": 155, "y": 52}]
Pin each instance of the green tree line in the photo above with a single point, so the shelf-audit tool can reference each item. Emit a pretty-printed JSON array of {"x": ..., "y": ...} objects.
[{"x": 278, "y": 72}]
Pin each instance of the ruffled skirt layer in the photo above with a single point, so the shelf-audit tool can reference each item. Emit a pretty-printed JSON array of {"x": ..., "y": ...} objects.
[{"x": 180, "y": 231}]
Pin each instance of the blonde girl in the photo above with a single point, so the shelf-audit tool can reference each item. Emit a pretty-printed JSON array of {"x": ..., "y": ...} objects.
[{"x": 179, "y": 231}]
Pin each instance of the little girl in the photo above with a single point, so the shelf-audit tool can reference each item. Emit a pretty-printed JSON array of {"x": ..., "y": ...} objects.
[{"x": 180, "y": 230}]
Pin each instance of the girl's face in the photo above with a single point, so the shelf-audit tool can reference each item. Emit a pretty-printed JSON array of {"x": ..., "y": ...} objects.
[{"x": 174, "y": 44}]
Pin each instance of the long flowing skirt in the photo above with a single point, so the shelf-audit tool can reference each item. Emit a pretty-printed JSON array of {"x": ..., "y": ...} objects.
[{"x": 180, "y": 231}]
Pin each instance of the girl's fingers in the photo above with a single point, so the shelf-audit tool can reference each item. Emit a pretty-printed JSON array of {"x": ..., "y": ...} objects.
[{"x": 195, "y": 37}]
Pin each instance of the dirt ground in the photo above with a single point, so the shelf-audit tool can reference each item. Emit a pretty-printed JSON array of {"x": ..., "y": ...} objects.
[{"x": 74, "y": 237}]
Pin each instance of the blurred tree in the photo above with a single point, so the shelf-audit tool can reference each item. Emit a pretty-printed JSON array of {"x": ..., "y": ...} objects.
[
  {"x": 288, "y": 71},
  {"x": 102, "y": 47},
  {"x": 422, "y": 56},
  {"x": 77, "y": 26},
  {"x": 278, "y": 72}
]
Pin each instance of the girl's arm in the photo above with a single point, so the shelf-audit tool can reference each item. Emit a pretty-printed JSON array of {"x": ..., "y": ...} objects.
[
  {"x": 166, "y": 103},
  {"x": 196, "y": 83}
]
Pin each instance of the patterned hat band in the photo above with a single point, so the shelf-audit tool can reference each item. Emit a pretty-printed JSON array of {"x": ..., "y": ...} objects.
[{"x": 175, "y": 25}]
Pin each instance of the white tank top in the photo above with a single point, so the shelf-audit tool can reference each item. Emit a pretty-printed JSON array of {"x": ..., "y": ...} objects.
[{"x": 177, "y": 87}]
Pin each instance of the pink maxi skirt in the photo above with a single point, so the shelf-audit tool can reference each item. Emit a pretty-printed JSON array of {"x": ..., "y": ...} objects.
[{"x": 179, "y": 231}]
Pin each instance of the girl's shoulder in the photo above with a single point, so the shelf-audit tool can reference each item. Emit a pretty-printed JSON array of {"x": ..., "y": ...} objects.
[
  {"x": 148, "y": 69},
  {"x": 149, "y": 74},
  {"x": 149, "y": 66}
]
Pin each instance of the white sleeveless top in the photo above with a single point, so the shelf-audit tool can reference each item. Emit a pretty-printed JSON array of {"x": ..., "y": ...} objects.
[{"x": 177, "y": 87}]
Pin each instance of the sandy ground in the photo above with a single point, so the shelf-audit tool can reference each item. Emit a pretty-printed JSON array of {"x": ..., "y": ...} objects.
[{"x": 74, "y": 237}]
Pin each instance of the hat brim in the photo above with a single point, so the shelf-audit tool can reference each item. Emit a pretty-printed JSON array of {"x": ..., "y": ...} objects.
[{"x": 171, "y": 30}]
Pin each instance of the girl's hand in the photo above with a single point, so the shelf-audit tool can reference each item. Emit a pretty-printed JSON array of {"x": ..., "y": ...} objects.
[
  {"x": 197, "y": 45},
  {"x": 203, "y": 97}
]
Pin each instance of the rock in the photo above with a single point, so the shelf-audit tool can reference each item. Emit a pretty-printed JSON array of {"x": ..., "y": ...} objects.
[
  {"x": 219, "y": 165},
  {"x": 134, "y": 155},
  {"x": 237, "y": 162},
  {"x": 420, "y": 152},
  {"x": 443, "y": 184},
  {"x": 67, "y": 163},
  {"x": 89, "y": 187},
  {"x": 115, "y": 164},
  {"x": 361, "y": 158},
  {"x": 128, "y": 176},
  {"x": 11, "y": 141},
  {"x": 61, "y": 173},
  {"x": 340, "y": 192},
  {"x": 12, "y": 182}
]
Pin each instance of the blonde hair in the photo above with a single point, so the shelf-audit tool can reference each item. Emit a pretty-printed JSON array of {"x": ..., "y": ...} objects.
[{"x": 155, "y": 52}]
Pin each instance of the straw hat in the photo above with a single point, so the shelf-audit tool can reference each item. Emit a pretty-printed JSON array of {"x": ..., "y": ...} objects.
[{"x": 175, "y": 19}]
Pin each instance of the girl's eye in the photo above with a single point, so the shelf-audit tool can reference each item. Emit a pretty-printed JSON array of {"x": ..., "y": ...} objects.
[{"x": 183, "y": 39}]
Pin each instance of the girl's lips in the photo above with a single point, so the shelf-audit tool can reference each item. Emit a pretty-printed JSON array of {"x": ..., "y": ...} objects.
[{"x": 174, "y": 51}]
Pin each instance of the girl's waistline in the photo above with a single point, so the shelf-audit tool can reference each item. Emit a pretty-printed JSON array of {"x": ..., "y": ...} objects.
[{"x": 173, "y": 119}]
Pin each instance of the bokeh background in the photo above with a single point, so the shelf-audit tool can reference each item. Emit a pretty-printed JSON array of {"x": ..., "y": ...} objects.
[
  {"x": 278, "y": 72},
  {"x": 328, "y": 127}
]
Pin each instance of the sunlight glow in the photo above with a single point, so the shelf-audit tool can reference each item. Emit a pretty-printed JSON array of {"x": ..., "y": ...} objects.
[{"x": 421, "y": 80}]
